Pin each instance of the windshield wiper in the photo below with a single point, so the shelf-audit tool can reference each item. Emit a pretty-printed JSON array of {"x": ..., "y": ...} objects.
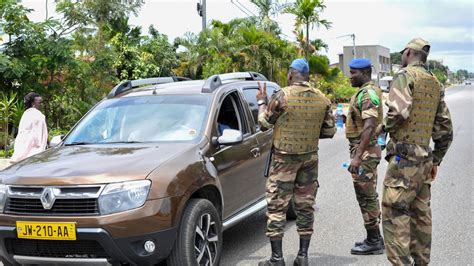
[
  {"x": 77, "y": 143},
  {"x": 118, "y": 142}
]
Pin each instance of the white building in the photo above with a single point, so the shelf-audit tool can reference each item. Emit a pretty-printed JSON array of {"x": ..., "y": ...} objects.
[{"x": 377, "y": 54}]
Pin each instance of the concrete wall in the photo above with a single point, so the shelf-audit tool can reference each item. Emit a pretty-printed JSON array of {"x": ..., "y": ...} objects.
[{"x": 378, "y": 55}]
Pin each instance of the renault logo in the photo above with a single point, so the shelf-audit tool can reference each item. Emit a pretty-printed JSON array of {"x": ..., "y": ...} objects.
[{"x": 47, "y": 198}]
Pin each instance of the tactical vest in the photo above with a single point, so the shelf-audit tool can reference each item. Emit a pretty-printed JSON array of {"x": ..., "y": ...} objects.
[
  {"x": 418, "y": 127},
  {"x": 297, "y": 129},
  {"x": 354, "y": 122}
]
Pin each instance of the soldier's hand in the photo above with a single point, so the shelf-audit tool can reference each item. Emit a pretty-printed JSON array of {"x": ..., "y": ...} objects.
[
  {"x": 434, "y": 172},
  {"x": 378, "y": 130},
  {"x": 262, "y": 91},
  {"x": 355, "y": 164}
]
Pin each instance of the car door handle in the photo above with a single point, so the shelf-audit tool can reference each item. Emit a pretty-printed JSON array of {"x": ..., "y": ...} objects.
[{"x": 255, "y": 152}]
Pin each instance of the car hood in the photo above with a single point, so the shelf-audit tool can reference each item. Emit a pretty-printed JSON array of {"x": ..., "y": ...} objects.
[{"x": 94, "y": 164}]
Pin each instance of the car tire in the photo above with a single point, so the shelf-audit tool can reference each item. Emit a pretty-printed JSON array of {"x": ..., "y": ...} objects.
[
  {"x": 6, "y": 263},
  {"x": 199, "y": 235},
  {"x": 291, "y": 212}
]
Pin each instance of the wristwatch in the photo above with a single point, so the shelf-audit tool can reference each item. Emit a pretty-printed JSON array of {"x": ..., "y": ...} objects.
[{"x": 261, "y": 102}]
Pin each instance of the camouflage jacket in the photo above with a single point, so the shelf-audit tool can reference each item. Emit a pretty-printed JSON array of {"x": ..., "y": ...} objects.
[
  {"x": 399, "y": 106},
  {"x": 276, "y": 108},
  {"x": 366, "y": 104}
]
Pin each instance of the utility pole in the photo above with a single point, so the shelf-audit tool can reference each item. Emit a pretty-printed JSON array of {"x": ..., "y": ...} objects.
[
  {"x": 201, "y": 9},
  {"x": 353, "y": 36},
  {"x": 353, "y": 43}
]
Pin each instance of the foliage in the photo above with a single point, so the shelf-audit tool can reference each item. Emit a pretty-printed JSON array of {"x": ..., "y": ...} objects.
[
  {"x": 440, "y": 75},
  {"x": 338, "y": 89},
  {"x": 7, "y": 111},
  {"x": 462, "y": 74},
  {"x": 6, "y": 153},
  {"x": 74, "y": 61},
  {"x": 307, "y": 13},
  {"x": 439, "y": 70},
  {"x": 56, "y": 132},
  {"x": 396, "y": 58},
  {"x": 266, "y": 9},
  {"x": 239, "y": 45}
]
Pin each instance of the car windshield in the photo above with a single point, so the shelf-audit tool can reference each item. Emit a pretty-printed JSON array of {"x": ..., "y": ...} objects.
[{"x": 143, "y": 119}]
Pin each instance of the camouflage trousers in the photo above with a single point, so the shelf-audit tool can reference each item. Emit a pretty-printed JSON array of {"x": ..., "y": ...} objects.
[
  {"x": 291, "y": 176},
  {"x": 365, "y": 186},
  {"x": 406, "y": 211}
]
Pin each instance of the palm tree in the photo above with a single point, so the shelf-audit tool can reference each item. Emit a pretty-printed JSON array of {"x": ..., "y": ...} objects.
[
  {"x": 319, "y": 44},
  {"x": 307, "y": 13},
  {"x": 266, "y": 9},
  {"x": 7, "y": 110}
]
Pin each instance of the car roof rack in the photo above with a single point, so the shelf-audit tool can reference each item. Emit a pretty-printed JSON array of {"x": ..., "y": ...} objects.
[
  {"x": 215, "y": 81},
  {"x": 133, "y": 84}
]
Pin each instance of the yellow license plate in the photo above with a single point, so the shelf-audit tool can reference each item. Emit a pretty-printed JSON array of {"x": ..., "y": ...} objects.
[{"x": 46, "y": 230}]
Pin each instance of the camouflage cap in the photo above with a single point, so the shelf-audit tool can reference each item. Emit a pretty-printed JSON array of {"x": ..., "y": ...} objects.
[{"x": 417, "y": 44}]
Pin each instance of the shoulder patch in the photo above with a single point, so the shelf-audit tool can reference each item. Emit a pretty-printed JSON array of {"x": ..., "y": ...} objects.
[{"x": 374, "y": 98}]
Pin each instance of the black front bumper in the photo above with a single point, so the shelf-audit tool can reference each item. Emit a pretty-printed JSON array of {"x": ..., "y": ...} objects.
[{"x": 119, "y": 250}]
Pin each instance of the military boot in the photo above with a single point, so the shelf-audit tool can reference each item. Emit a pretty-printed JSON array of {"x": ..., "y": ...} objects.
[
  {"x": 277, "y": 255},
  {"x": 371, "y": 246},
  {"x": 302, "y": 257},
  {"x": 359, "y": 243}
]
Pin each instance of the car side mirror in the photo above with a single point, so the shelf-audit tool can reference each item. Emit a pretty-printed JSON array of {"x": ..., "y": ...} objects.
[
  {"x": 56, "y": 140},
  {"x": 229, "y": 137}
]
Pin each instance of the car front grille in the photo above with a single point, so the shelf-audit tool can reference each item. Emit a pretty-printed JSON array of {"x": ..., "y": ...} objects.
[
  {"x": 55, "y": 249},
  {"x": 61, "y": 207}
]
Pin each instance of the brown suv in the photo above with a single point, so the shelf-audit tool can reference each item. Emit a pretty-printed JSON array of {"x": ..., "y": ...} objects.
[{"x": 155, "y": 171}]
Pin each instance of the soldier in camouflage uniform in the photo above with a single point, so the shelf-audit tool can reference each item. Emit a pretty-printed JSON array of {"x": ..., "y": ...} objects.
[
  {"x": 417, "y": 113},
  {"x": 299, "y": 115},
  {"x": 364, "y": 116}
]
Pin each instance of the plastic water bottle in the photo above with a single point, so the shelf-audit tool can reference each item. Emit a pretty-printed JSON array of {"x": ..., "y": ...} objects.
[
  {"x": 382, "y": 139},
  {"x": 339, "y": 119},
  {"x": 346, "y": 166}
]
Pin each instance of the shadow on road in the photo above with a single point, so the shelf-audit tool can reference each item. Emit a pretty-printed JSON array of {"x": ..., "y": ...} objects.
[{"x": 245, "y": 237}]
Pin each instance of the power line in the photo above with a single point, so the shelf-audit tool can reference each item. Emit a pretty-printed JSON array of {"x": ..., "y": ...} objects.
[
  {"x": 241, "y": 9},
  {"x": 242, "y": 5}
]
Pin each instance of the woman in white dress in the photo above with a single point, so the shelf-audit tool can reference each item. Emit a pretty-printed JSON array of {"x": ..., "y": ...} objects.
[{"x": 32, "y": 133}]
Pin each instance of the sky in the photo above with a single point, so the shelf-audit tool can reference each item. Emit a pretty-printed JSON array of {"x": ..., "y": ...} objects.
[{"x": 447, "y": 25}]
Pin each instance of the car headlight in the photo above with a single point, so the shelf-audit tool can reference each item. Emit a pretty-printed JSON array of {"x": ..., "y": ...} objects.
[
  {"x": 3, "y": 196},
  {"x": 124, "y": 196}
]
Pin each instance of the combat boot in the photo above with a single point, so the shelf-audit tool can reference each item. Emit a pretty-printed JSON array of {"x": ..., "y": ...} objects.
[
  {"x": 371, "y": 246},
  {"x": 302, "y": 257},
  {"x": 359, "y": 243},
  {"x": 277, "y": 255}
]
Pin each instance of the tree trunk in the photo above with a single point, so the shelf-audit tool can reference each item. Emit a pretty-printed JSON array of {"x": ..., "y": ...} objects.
[
  {"x": 306, "y": 48},
  {"x": 6, "y": 134}
]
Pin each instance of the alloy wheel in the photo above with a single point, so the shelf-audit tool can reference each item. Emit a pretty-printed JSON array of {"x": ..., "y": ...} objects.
[{"x": 206, "y": 240}]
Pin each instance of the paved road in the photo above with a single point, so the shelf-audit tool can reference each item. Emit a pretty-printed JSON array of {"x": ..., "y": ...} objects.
[{"x": 338, "y": 221}]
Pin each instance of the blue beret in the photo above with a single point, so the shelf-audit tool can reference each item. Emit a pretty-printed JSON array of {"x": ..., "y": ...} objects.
[
  {"x": 300, "y": 65},
  {"x": 360, "y": 63}
]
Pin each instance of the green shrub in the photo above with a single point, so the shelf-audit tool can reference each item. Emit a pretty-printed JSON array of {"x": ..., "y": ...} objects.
[
  {"x": 337, "y": 88},
  {"x": 6, "y": 154},
  {"x": 56, "y": 132}
]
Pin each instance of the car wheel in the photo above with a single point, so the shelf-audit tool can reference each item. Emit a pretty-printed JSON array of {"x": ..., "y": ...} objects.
[
  {"x": 199, "y": 237},
  {"x": 6, "y": 263},
  {"x": 291, "y": 213}
]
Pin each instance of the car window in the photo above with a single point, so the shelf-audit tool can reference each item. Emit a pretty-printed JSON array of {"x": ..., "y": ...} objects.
[
  {"x": 231, "y": 115},
  {"x": 250, "y": 96},
  {"x": 143, "y": 119}
]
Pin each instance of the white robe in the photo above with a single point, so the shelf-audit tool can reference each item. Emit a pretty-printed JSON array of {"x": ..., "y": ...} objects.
[{"x": 32, "y": 135}]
